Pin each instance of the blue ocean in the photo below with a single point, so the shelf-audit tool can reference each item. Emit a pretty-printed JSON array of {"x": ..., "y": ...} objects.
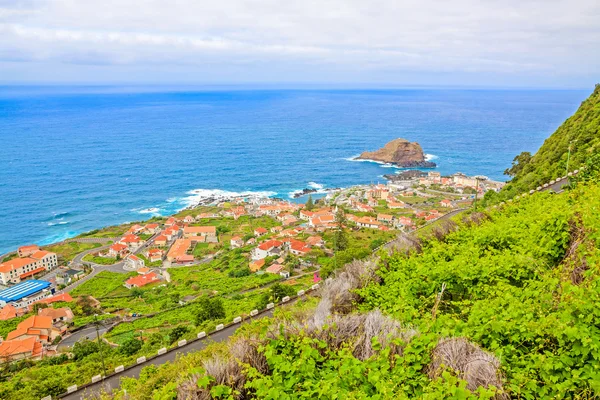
[{"x": 78, "y": 158}]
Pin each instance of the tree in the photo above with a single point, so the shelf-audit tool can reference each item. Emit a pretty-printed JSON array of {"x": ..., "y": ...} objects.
[
  {"x": 275, "y": 293},
  {"x": 518, "y": 163},
  {"x": 309, "y": 203},
  {"x": 130, "y": 346},
  {"x": 177, "y": 332},
  {"x": 210, "y": 309},
  {"x": 38, "y": 306},
  {"x": 340, "y": 236}
]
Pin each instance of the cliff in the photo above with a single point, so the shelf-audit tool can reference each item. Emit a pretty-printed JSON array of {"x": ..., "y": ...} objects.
[
  {"x": 581, "y": 132},
  {"x": 400, "y": 152}
]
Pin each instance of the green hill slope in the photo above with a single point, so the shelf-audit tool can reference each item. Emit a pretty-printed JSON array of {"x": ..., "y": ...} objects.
[
  {"x": 507, "y": 306},
  {"x": 582, "y": 131}
]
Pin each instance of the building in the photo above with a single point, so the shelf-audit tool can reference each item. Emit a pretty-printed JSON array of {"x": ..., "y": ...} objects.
[
  {"x": 62, "y": 315},
  {"x": 155, "y": 255},
  {"x": 133, "y": 242},
  {"x": 274, "y": 269},
  {"x": 188, "y": 219},
  {"x": 396, "y": 204},
  {"x": 24, "y": 293},
  {"x": 463, "y": 180},
  {"x": 315, "y": 241},
  {"x": 134, "y": 262},
  {"x": 179, "y": 249},
  {"x": 36, "y": 326},
  {"x": 446, "y": 203},
  {"x": 385, "y": 218},
  {"x": 13, "y": 350},
  {"x": 26, "y": 251},
  {"x": 193, "y": 231},
  {"x": 8, "y": 312},
  {"x": 151, "y": 229},
  {"x": 66, "y": 297},
  {"x": 299, "y": 248},
  {"x": 269, "y": 248},
  {"x": 161, "y": 240},
  {"x": 141, "y": 280},
  {"x": 368, "y": 222},
  {"x": 68, "y": 276},
  {"x": 260, "y": 232},
  {"x": 118, "y": 250},
  {"x": 18, "y": 269},
  {"x": 236, "y": 242},
  {"x": 256, "y": 265}
]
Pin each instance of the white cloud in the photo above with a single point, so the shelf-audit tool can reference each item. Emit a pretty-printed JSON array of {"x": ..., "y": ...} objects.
[{"x": 352, "y": 39}]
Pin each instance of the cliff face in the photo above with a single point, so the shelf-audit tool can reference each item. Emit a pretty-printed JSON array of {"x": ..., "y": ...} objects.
[{"x": 400, "y": 152}]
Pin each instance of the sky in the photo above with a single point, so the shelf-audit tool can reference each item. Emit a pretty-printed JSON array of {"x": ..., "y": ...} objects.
[{"x": 494, "y": 43}]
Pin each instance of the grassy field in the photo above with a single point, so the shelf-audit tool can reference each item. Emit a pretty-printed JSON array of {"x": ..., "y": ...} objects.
[
  {"x": 104, "y": 284},
  {"x": 100, "y": 260},
  {"x": 68, "y": 251}
]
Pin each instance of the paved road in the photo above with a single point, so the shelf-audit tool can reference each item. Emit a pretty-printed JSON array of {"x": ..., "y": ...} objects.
[
  {"x": 89, "y": 332},
  {"x": 114, "y": 381}
]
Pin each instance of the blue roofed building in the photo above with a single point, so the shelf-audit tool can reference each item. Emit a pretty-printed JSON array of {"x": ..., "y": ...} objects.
[{"x": 25, "y": 293}]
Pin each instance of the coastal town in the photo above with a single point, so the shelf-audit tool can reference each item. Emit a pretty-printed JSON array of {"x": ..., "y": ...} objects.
[{"x": 135, "y": 280}]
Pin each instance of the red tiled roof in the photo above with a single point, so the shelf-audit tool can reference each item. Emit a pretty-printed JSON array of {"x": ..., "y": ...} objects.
[
  {"x": 13, "y": 348},
  {"x": 32, "y": 272},
  {"x": 142, "y": 280},
  {"x": 269, "y": 244},
  {"x": 16, "y": 263}
]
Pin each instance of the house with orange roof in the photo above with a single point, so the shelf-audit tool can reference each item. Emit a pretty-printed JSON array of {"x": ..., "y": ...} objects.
[
  {"x": 385, "y": 218},
  {"x": 256, "y": 265},
  {"x": 446, "y": 203},
  {"x": 133, "y": 242},
  {"x": 320, "y": 220},
  {"x": 396, "y": 204},
  {"x": 179, "y": 249},
  {"x": 306, "y": 215},
  {"x": 36, "y": 326},
  {"x": 143, "y": 270},
  {"x": 134, "y": 262},
  {"x": 8, "y": 312},
  {"x": 236, "y": 242},
  {"x": 315, "y": 241},
  {"x": 61, "y": 315},
  {"x": 368, "y": 222},
  {"x": 404, "y": 222},
  {"x": 289, "y": 220},
  {"x": 135, "y": 229},
  {"x": 171, "y": 221},
  {"x": 188, "y": 219},
  {"x": 275, "y": 269},
  {"x": 25, "y": 251},
  {"x": 151, "y": 229},
  {"x": 155, "y": 255},
  {"x": 299, "y": 248},
  {"x": 276, "y": 229},
  {"x": 118, "y": 249},
  {"x": 431, "y": 217},
  {"x": 207, "y": 215},
  {"x": 269, "y": 248},
  {"x": 66, "y": 297},
  {"x": 260, "y": 232},
  {"x": 19, "y": 349},
  {"x": 160, "y": 240},
  {"x": 141, "y": 280},
  {"x": 192, "y": 231},
  {"x": 17, "y": 269},
  {"x": 172, "y": 232}
]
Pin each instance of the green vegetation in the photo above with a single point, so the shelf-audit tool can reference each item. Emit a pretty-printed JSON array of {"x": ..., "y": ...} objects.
[
  {"x": 102, "y": 285},
  {"x": 100, "y": 260},
  {"x": 580, "y": 133},
  {"x": 67, "y": 251}
]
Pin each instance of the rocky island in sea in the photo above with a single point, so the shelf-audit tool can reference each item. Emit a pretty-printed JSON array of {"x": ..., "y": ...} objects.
[{"x": 399, "y": 152}]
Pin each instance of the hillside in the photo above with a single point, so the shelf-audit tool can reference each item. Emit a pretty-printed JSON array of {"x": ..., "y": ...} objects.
[
  {"x": 501, "y": 304},
  {"x": 582, "y": 130}
]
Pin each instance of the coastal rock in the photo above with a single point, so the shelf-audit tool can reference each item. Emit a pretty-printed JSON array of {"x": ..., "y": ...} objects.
[{"x": 399, "y": 152}]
